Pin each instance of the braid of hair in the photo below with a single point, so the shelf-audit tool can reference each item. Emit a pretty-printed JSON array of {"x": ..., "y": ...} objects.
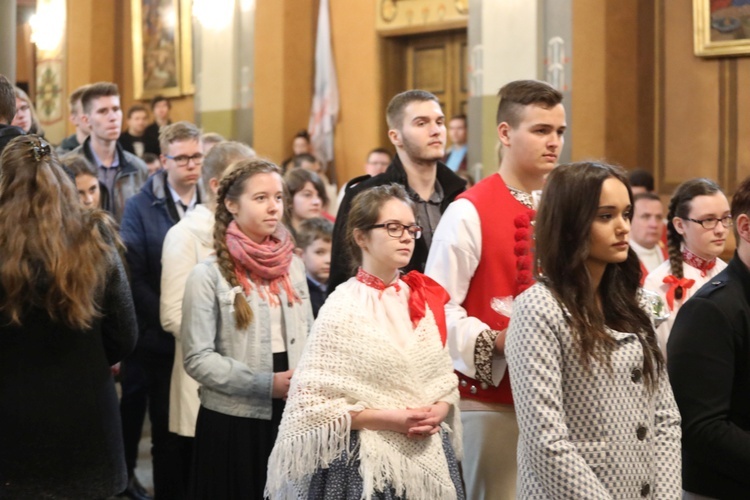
[
  {"x": 243, "y": 314},
  {"x": 674, "y": 244}
]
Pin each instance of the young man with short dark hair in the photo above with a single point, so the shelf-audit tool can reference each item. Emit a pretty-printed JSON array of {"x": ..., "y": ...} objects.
[
  {"x": 455, "y": 156},
  {"x": 377, "y": 161},
  {"x": 76, "y": 118},
  {"x": 646, "y": 229},
  {"x": 641, "y": 181},
  {"x": 134, "y": 139},
  {"x": 709, "y": 370},
  {"x": 160, "y": 107},
  {"x": 164, "y": 200},
  {"x": 121, "y": 174},
  {"x": 482, "y": 251},
  {"x": 417, "y": 129}
]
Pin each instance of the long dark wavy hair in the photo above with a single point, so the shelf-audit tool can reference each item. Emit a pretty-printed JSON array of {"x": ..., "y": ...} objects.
[
  {"x": 563, "y": 227},
  {"x": 53, "y": 251}
]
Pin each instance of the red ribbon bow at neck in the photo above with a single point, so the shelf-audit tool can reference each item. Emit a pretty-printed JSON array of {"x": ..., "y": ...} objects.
[{"x": 674, "y": 284}]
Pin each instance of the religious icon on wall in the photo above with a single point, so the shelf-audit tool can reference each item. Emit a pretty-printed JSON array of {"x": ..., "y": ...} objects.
[{"x": 161, "y": 47}]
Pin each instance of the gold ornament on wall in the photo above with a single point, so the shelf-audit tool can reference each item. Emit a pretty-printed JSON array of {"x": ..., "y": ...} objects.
[
  {"x": 402, "y": 17},
  {"x": 388, "y": 10}
]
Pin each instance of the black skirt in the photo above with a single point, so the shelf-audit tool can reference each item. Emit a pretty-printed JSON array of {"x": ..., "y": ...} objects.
[{"x": 230, "y": 454}]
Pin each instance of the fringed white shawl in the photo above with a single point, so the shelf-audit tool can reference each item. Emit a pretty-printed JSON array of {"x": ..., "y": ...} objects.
[{"x": 353, "y": 362}]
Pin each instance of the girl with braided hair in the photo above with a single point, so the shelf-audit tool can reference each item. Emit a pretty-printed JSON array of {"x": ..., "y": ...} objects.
[
  {"x": 245, "y": 317},
  {"x": 698, "y": 222}
]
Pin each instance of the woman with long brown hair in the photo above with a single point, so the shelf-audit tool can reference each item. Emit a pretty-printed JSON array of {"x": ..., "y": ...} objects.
[
  {"x": 66, "y": 316},
  {"x": 596, "y": 414}
]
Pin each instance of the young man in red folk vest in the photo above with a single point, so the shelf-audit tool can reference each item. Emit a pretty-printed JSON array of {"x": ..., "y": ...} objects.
[{"x": 482, "y": 249}]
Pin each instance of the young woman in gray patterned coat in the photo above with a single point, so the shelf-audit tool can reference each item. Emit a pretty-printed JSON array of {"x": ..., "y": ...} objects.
[{"x": 596, "y": 414}]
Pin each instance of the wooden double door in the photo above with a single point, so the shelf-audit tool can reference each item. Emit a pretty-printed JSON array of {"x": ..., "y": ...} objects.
[{"x": 437, "y": 63}]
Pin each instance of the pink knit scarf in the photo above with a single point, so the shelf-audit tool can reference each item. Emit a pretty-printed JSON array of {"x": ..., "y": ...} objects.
[{"x": 267, "y": 261}]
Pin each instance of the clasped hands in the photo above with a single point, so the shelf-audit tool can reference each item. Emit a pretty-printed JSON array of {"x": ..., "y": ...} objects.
[{"x": 420, "y": 423}]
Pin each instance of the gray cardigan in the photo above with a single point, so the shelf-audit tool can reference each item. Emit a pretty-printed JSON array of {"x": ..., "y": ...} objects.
[
  {"x": 235, "y": 367},
  {"x": 587, "y": 435}
]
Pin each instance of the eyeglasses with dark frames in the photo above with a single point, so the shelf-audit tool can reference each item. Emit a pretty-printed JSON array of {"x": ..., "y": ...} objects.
[
  {"x": 712, "y": 222},
  {"x": 183, "y": 160},
  {"x": 396, "y": 229}
]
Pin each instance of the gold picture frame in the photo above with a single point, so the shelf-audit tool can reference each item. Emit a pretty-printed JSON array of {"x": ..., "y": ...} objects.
[
  {"x": 186, "y": 46},
  {"x": 162, "y": 48},
  {"x": 721, "y": 28}
]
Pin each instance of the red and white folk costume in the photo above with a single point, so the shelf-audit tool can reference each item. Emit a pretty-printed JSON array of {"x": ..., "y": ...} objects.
[
  {"x": 373, "y": 346},
  {"x": 696, "y": 273},
  {"x": 482, "y": 250}
]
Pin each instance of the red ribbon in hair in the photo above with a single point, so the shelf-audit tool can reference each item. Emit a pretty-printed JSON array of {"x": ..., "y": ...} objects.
[
  {"x": 674, "y": 284},
  {"x": 426, "y": 291}
]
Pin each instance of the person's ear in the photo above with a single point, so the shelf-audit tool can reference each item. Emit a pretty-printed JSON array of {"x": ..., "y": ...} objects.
[
  {"x": 213, "y": 184},
  {"x": 743, "y": 227},
  {"x": 395, "y": 136},
  {"x": 298, "y": 251},
  {"x": 503, "y": 134},
  {"x": 232, "y": 206},
  {"x": 679, "y": 225},
  {"x": 360, "y": 238}
]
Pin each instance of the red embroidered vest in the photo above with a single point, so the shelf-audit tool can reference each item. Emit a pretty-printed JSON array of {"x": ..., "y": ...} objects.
[{"x": 496, "y": 274}]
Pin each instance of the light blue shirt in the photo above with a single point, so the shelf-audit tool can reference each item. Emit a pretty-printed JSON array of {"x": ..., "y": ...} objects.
[
  {"x": 181, "y": 209},
  {"x": 455, "y": 158}
]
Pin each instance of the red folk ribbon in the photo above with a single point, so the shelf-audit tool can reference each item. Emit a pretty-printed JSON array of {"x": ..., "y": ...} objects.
[
  {"x": 674, "y": 284},
  {"x": 424, "y": 291}
]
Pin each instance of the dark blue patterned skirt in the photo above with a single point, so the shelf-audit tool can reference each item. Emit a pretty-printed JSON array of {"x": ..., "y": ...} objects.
[{"x": 342, "y": 481}]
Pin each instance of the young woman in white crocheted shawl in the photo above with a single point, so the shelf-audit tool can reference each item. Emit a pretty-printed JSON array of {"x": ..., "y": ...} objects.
[{"x": 371, "y": 410}]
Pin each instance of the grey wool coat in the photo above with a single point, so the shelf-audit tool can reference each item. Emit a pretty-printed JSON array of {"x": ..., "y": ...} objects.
[{"x": 587, "y": 434}]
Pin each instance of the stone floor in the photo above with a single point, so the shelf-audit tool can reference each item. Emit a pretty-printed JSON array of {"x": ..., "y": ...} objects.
[{"x": 143, "y": 469}]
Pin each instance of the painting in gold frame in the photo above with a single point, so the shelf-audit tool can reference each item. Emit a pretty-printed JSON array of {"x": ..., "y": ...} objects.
[
  {"x": 162, "y": 55},
  {"x": 721, "y": 27}
]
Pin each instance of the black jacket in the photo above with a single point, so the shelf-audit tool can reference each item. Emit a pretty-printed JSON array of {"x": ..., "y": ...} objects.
[
  {"x": 151, "y": 139},
  {"x": 130, "y": 178},
  {"x": 709, "y": 367},
  {"x": 150, "y": 144},
  {"x": 341, "y": 264},
  {"x": 60, "y": 431},
  {"x": 68, "y": 144},
  {"x": 7, "y": 134}
]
